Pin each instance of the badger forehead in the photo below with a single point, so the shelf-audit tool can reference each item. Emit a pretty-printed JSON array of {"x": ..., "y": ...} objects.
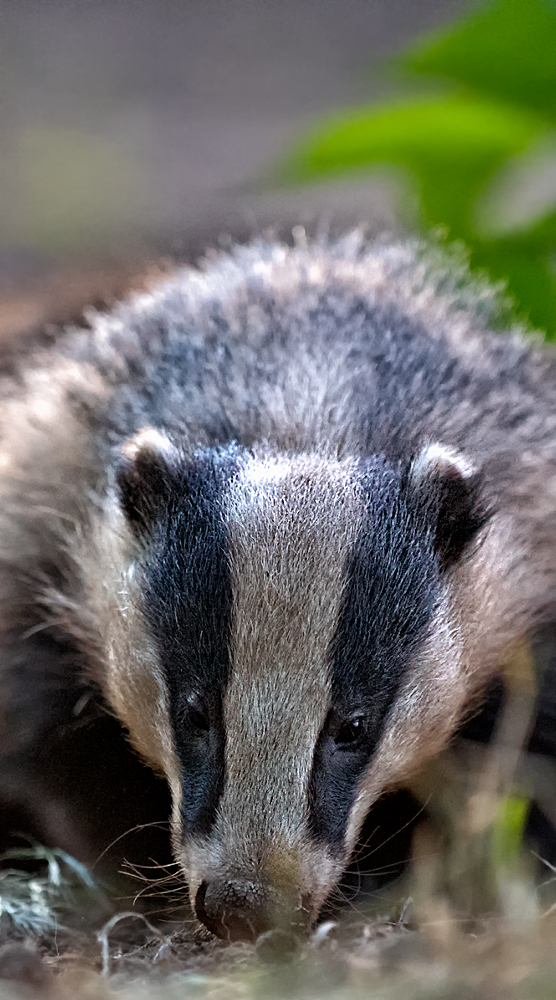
[{"x": 290, "y": 526}]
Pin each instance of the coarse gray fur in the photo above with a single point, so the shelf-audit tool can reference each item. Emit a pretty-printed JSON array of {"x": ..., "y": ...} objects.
[{"x": 310, "y": 359}]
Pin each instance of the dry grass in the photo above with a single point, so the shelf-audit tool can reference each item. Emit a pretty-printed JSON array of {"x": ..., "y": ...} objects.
[{"x": 424, "y": 950}]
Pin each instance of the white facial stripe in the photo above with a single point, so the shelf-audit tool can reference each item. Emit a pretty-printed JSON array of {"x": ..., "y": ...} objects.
[
  {"x": 133, "y": 680},
  {"x": 291, "y": 527}
]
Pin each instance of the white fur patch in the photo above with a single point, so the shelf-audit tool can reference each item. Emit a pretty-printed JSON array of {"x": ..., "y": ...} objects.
[
  {"x": 259, "y": 471},
  {"x": 152, "y": 441},
  {"x": 437, "y": 459}
]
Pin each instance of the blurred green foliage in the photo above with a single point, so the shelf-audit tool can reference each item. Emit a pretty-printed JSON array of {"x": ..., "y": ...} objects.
[
  {"x": 484, "y": 125},
  {"x": 508, "y": 831}
]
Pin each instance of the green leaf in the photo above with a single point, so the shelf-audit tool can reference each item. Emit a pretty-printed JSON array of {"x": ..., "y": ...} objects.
[
  {"x": 452, "y": 145},
  {"x": 528, "y": 274},
  {"x": 483, "y": 133},
  {"x": 542, "y": 233},
  {"x": 507, "y": 50},
  {"x": 453, "y": 148}
]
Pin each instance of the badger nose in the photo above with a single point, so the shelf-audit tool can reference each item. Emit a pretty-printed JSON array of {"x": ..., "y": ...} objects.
[{"x": 233, "y": 910}]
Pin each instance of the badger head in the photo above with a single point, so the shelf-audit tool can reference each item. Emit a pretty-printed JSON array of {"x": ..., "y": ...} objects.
[{"x": 283, "y": 645}]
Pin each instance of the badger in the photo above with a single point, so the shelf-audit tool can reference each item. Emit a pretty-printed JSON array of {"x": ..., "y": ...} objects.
[{"x": 287, "y": 512}]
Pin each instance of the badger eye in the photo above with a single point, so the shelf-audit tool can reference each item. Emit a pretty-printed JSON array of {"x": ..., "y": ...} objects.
[
  {"x": 195, "y": 715},
  {"x": 350, "y": 732}
]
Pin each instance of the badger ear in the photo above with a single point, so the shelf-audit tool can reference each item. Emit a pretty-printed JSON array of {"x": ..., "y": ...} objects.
[
  {"x": 451, "y": 489},
  {"x": 144, "y": 476}
]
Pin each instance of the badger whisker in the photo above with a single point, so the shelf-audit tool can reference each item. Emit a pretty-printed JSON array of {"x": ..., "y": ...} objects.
[{"x": 161, "y": 824}]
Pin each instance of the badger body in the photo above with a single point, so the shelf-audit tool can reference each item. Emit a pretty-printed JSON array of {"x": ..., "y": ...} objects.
[{"x": 287, "y": 513}]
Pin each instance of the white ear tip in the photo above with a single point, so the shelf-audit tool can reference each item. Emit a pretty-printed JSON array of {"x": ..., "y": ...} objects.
[
  {"x": 149, "y": 440},
  {"x": 437, "y": 459}
]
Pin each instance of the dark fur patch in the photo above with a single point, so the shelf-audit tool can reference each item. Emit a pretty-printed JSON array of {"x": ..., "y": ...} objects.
[
  {"x": 188, "y": 604},
  {"x": 145, "y": 483},
  {"x": 391, "y": 595},
  {"x": 460, "y": 514}
]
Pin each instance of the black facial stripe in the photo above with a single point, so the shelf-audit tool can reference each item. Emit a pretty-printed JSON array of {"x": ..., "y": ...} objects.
[
  {"x": 390, "y": 596},
  {"x": 188, "y": 606}
]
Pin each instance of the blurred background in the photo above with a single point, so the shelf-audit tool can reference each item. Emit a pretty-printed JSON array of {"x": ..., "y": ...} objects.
[{"x": 133, "y": 129}]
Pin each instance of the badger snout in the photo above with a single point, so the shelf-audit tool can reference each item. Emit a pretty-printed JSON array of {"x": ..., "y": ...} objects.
[
  {"x": 235, "y": 910},
  {"x": 242, "y": 910}
]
